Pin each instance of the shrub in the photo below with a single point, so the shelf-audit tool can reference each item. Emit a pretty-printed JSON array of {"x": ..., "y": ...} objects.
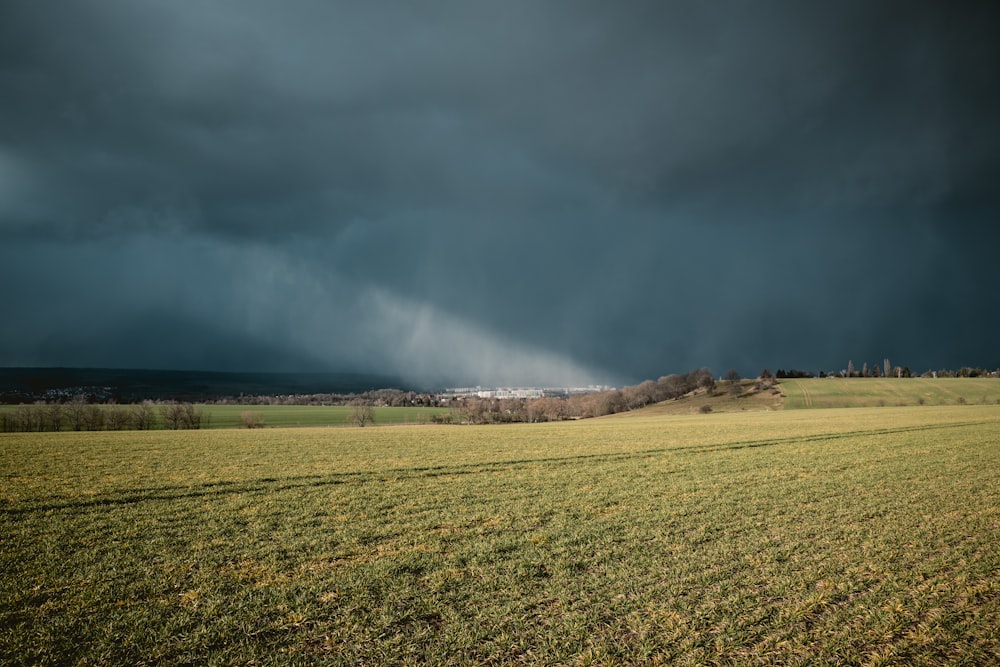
[{"x": 251, "y": 419}]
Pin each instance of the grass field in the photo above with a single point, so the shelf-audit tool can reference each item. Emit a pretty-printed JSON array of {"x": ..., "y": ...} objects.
[
  {"x": 876, "y": 392},
  {"x": 228, "y": 416},
  {"x": 865, "y": 536},
  {"x": 721, "y": 400}
]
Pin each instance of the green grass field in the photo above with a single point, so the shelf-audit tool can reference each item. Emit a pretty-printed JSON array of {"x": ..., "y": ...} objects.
[
  {"x": 228, "y": 416},
  {"x": 877, "y": 392},
  {"x": 820, "y": 537}
]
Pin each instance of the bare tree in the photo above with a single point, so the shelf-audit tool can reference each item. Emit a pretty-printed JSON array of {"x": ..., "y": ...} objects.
[
  {"x": 705, "y": 379},
  {"x": 191, "y": 417},
  {"x": 473, "y": 409},
  {"x": 734, "y": 380},
  {"x": 93, "y": 417},
  {"x": 173, "y": 415},
  {"x": 116, "y": 417},
  {"x": 511, "y": 410},
  {"x": 362, "y": 414},
  {"x": 557, "y": 409},
  {"x": 143, "y": 416},
  {"x": 28, "y": 418},
  {"x": 54, "y": 416},
  {"x": 641, "y": 395},
  {"x": 886, "y": 367},
  {"x": 610, "y": 402},
  {"x": 535, "y": 410},
  {"x": 181, "y": 415},
  {"x": 76, "y": 411}
]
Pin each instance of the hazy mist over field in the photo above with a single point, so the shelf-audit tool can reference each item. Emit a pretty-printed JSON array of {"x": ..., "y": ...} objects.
[{"x": 509, "y": 193}]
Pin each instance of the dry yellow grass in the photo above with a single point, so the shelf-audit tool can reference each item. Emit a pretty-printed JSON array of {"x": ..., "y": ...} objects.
[{"x": 861, "y": 536}]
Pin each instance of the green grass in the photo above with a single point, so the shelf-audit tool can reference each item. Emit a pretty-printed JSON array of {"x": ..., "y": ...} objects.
[
  {"x": 877, "y": 392},
  {"x": 799, "y": 537},
  {"x": 228, "y": 416}
]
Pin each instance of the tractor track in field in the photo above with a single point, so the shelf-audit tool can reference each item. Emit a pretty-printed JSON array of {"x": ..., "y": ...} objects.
[
  {"x": 269, "y": 485},
  {"x": 806, "y": 398}
]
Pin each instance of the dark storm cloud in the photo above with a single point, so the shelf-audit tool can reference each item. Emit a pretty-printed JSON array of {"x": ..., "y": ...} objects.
[{"x": 516, "y": 190}]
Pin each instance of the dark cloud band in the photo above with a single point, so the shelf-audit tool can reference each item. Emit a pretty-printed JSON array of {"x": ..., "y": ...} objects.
[{"x": 614, "y": 186}]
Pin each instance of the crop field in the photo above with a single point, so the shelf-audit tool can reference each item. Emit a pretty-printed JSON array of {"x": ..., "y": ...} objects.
[
  {"x": 820, "y": 537},
  {"x": 228, "y": 416},
  {"x": 876, "y": 392}
]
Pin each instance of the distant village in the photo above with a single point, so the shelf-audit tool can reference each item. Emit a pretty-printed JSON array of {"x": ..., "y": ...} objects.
[
  {"x": 378, "y": 397},
  {"x": 518, "y": 392}
]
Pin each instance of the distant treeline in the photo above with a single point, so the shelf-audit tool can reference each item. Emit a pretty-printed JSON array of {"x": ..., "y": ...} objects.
[
  {"x": 885, "y": 369},
  {"x": 964, "y": 372},
  {"x": 80, "y": 415},
  {"x": 396, "y": 398}
]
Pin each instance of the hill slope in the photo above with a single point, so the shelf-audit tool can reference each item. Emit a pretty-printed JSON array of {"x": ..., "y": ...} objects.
[
  {"x": 750, "y": 399},
  {"x": 877, "y": 392},
  {"x": 797, "y": 394}
]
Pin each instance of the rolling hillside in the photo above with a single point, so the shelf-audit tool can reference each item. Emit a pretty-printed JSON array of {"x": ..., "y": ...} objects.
[
  {"x": 720, "y": 400},
  {"x": 796, "y": 394},
  {"x": 878, "y": 392}
]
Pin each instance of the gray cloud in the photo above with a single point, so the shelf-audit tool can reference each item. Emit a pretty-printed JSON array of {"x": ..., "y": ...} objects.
[{"x": 588, "y": 192}]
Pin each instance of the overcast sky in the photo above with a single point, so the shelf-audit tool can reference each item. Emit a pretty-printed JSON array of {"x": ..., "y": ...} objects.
[{"x": 515, "y": 192}]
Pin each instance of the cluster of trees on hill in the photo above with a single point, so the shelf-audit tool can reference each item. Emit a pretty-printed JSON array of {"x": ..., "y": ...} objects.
[
  {"x": 781, "y": 374},
  {"x": 887, "y": 370},
  {"x": 79, "y": 414},
  {"x": 875, "y": 370},
  {"x": 963, "y": 372},
  {"x": 491, "y": 410}
]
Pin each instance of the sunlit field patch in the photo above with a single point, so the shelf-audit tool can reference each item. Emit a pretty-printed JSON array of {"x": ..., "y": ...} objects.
[
  {"x": 864, "y": 536},
  {"x": 835, "y": 392}
]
